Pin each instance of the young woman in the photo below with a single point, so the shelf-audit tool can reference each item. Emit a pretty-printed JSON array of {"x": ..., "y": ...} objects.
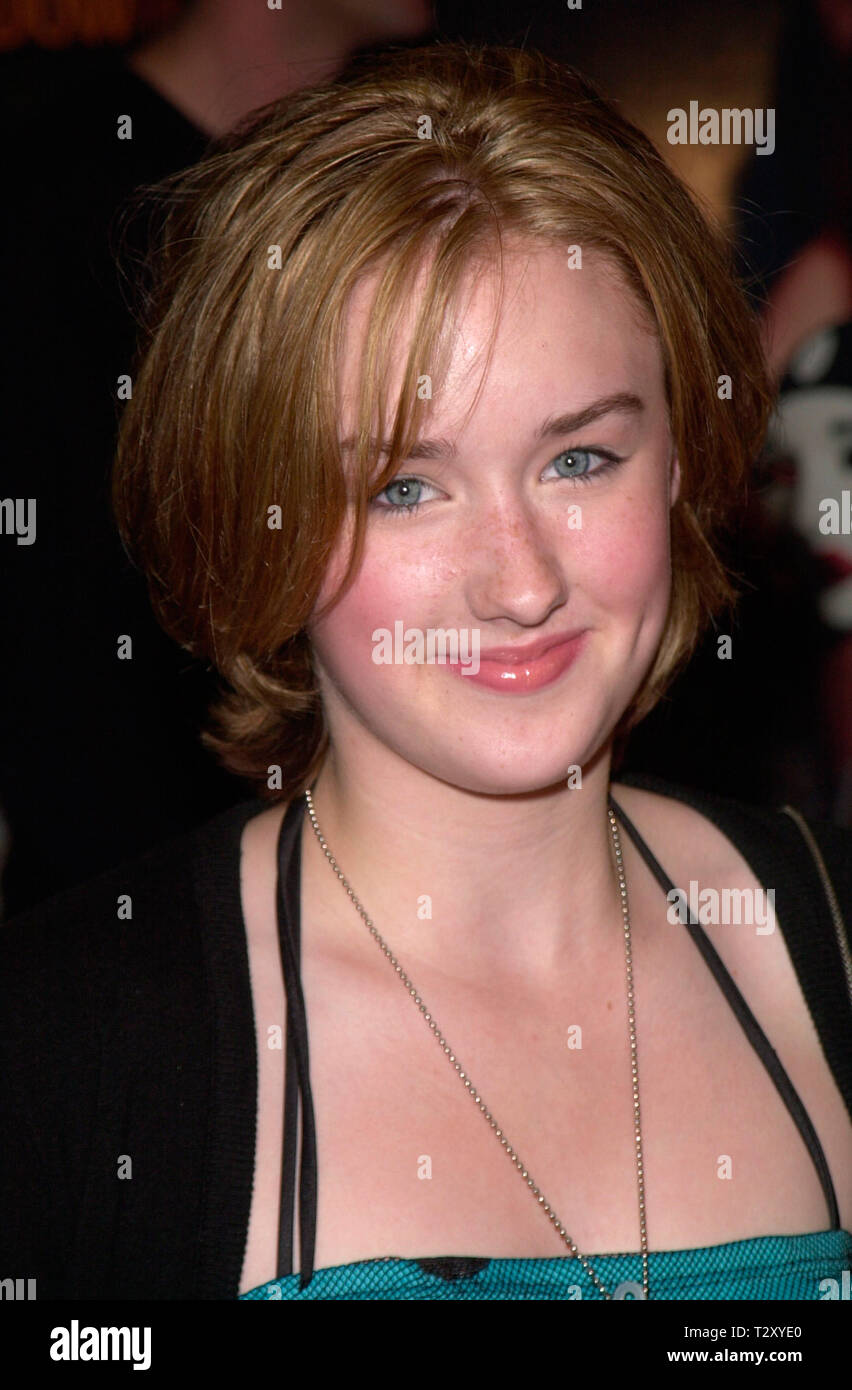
[{"x": 447, "y": 393}]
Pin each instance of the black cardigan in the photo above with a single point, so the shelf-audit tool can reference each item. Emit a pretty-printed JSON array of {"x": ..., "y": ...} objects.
[{"x": 128, "y": 1067}]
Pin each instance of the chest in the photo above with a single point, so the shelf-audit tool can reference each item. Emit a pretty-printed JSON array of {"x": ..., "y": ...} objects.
[{"x": 409, "y": 1165}]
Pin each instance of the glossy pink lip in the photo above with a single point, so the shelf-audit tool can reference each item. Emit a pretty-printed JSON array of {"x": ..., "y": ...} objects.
[
  {"x": 532, "y": 650},
  {"x": 515, "y": 670}
]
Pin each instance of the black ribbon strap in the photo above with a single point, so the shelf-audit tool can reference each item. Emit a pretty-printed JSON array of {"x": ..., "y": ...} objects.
[
  {"x": 297, "y": 1068},
  {"x": 752, "y": 1028}
]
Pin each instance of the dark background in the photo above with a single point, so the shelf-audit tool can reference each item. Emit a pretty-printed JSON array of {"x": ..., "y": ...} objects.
[{"x": 99, "y": 758}]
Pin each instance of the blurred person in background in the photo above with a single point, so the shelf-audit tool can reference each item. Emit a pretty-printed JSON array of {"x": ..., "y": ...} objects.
[
  {"x": 794, "y": 221},
  {"x": 99, "y": 751}
]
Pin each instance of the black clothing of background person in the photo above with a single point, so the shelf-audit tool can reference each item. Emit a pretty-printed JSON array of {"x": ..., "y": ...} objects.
[{"x": 99, "y": 757}]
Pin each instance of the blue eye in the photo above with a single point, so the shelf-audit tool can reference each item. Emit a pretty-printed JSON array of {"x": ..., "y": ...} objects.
[
  {"x": 406, "y": 487},
  {"x": 580, "y": 465},
  {"x": 407, "y": 498},
  {"x": 403, "y": 496}
]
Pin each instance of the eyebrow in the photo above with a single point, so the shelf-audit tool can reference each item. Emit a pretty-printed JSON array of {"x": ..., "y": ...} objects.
[{"x": 555, "y": 426}]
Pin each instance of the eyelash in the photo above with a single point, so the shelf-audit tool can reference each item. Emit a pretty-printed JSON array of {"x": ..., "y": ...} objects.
[{"x": 611, "y": 462}]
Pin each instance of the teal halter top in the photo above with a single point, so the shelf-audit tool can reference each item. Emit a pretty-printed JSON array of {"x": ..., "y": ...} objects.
[
  {"x": 786, "y": 1267},
  {"x": 813, "y": 1266}
]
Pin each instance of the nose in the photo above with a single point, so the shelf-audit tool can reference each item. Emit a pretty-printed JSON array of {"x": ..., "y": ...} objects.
[{"x": 513, "y": 565}]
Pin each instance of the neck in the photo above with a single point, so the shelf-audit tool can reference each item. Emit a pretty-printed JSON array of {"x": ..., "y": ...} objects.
[
  {"x": 520, "y": 885},
  {"x": 224, "y": 58}
]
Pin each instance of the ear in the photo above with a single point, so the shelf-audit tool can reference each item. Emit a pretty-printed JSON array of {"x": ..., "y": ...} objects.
[{"x": 674, "y": 478}]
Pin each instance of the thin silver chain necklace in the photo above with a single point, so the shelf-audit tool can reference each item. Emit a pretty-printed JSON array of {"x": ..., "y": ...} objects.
[{"x": 463, "y": 1076}]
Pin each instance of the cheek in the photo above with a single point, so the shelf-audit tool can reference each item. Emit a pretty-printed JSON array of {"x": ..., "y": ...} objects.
[
  {"x": 390, "y": 586},
  {"x": 396, "y": 581},
  {"x": 624, "y": 562},
  {"x": 343, "y": 638}
]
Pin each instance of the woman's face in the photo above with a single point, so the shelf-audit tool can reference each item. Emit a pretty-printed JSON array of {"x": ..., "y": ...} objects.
[{"x": 529, "y": 529}]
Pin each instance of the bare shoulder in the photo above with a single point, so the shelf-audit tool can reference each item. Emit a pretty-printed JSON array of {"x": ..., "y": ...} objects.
[
  {"x": 701, "y": 860},
  {"x": 693, "y": 850},
  {"x": 682, "y": 832}
]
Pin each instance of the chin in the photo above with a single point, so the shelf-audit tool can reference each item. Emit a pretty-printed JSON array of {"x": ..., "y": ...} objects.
[{"x": 502, "y": 769}]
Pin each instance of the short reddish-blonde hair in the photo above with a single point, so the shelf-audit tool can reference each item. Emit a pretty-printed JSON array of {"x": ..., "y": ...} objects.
[{"x": 420, "y": 157}]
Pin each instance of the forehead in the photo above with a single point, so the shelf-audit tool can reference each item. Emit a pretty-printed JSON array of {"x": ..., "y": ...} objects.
[{"x": 573, "y": 333}]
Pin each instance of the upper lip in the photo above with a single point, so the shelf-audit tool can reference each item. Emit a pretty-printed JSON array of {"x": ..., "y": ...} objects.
[{"x": 516, "y": 655}]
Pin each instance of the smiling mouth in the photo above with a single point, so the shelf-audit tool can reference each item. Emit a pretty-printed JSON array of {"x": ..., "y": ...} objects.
[{"x": 519, "y": 671}]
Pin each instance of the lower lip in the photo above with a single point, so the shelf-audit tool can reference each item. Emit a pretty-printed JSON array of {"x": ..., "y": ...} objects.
[{"x": 515, "y": 678}]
